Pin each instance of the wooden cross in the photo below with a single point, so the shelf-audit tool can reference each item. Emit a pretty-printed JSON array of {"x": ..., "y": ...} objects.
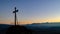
[{"x": 15, "y": 14}]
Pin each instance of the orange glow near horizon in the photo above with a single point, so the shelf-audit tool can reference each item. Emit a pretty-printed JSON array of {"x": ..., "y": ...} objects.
[{"x": 31, "y": 21}]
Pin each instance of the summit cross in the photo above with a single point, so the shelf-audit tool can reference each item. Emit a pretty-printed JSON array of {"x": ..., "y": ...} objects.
[{"x": 15, "y": 11}]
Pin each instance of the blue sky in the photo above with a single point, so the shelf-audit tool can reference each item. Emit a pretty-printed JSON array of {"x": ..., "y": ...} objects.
[{"x": 30, "y": 11}]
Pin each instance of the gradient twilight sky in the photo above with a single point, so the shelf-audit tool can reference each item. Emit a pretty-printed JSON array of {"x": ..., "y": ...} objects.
[{"x": 30, "y": 11}]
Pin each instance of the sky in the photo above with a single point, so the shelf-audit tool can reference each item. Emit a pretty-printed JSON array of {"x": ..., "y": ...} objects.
[{"x": 30, "y": 11}]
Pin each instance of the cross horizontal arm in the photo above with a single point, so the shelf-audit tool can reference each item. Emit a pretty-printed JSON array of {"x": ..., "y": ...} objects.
[{"x": 15, "y": 11}]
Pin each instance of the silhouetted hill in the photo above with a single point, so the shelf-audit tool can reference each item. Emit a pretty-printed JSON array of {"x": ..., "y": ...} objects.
[
  {"x": 9, "y": 29},
  {"x": 18, "y": 29},
  {"x": 30, "y": 29}
]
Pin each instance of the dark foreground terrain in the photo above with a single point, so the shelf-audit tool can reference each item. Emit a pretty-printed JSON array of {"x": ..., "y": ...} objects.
[{"x": 11, "y": 29}]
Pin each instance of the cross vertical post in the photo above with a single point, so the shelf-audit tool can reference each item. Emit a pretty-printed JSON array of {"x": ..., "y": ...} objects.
[{"x": 15, "y": 14}]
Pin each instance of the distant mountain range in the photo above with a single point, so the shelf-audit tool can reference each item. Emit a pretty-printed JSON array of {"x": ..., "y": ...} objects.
[
  {"x": 34, "y": 25},
  {"x": 3, "y": 26},
  {"x": 37, "y": 26}
]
